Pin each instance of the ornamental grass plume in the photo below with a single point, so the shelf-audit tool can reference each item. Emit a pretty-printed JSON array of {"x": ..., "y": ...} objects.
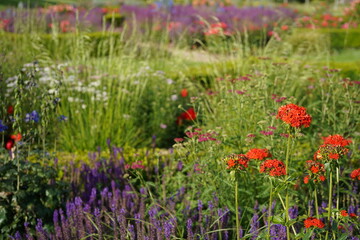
[
  {"x": 259, "y": 154},
  {"x": 294, "y": 115},
  {"x": 273, "y": 167},
  {"x": 313, "y": 222}
]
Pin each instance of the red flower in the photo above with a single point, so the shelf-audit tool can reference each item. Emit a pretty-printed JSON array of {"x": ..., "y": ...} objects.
[
  {"x": 313, "y": 222},
  {"x": 9, "y": 144},
  {"x": 315, "y": 167},
  {"x": 237, "y": 162},
  {"x": 190, "y": 114},
  {"x": 334, "y": 156},
  {"x": 273, "y": 167},
  {"x": 258, "y": 154},
  {"x": 178, "y": 140},
  {"x": 306, "y": 179},
  {"x": 10, "y": 109},
  {"x": 353, "y": 215},
  {"x": 332, "y": 149},
  {"x": 344, "y": 213},
  {"x": 322, "y": 178},
  {"x": 184, "y": 92},
  {"x": 284, "y": 27},
  {"x": 355, "y": 174},
  {"x": 294, "y": 115},
  {"x": 336, "y": 141},
  {"x": 16, "y": 137}
]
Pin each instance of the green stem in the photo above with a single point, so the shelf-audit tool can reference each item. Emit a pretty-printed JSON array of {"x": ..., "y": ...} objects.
[
  {"x": 330, "y": 202},
  {"x": 316, "y": 204},
  {"x": 287, "y": 192},
  {"x": 337, "y": 191},
  {"x": 237, "y": 211},
  {"x": 18, "y": 173},
  {"x": 269, "y": 210}
]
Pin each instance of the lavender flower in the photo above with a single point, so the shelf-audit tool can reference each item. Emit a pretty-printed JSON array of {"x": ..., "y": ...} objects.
[{"x": 278, "y": 232}]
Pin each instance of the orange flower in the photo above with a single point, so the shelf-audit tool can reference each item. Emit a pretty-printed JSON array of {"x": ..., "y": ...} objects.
[
  {"x": 184, "y": 92},
  {"x": 336, "y": 140},
  {"x": 344, "y": 213},
  {"x": 273, "y": 167},
  {"x": 313, "y": 222},
  {"x": 237, "y": 161},
  {"x": 258, "y": 154},
  {"x": 322, "y": 178},
  {"x": 16, "y": 137},
  {"x": 355, "y": 174},
  {"x": 284, "y": 27},
  {"x": 306, "y": 179},
  {"x": 294, "y": 115},
  {"x": 334, "y": 156}
]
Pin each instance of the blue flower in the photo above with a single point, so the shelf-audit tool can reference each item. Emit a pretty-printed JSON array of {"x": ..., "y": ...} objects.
[
  {"x": 33, "y": 116},
  {"x": 62, "y": 118},
  {"x": 2, "y": 127}
]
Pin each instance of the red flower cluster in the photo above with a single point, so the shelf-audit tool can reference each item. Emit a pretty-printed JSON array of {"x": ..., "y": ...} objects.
[
  {"x": 188, "y": 115},
  {"x": 294, "y": 115},
  {"x": 317, "y": 169},
  {"x": 333, "y": 148},
  {"x": 273, "y": 167},
  {"x": 355, "y": 174},
  {"x": 344, "y": 213},
  {"x": 237, "y": 162},
  {"x": 313, "y": 222},
  {"x": 336, "y": 141},
  {"x": 259, "y": 154},
  {"x": 10, "y": 141}
]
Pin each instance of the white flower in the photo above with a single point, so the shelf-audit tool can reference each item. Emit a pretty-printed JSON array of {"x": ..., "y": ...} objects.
[{"x": 174, "y": 97}]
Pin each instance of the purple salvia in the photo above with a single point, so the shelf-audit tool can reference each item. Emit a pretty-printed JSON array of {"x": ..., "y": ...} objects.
[
  {"x": 27, "y": 230},
  {"x": 322, "y": 207},
  {"x": 293, "y": 212},
  {"x": 278, "y": 232},
  {"x": 58, "y": 233},
  {"x": 92, "y": 196},
  {"x": 190, "y": 235},
  {"x": 97, "y": 214},
  {"x": 264, "y": 212},
  {"x": 180, "y": 166},
  {"x": 254, "y": 226},
  {"x": 65, "y": 226},
  {"x": 122, "y": 223},
  {"x": 17, "y": 236},
  {"x": 138, "y": 224},
  {"x": 79, "y": 218},
  {"x": 131, "y": 231},
  {"x": 88, "y": 224},
  {"x": 167, "y": 225},
  {"x": 40, "y": 232}
]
